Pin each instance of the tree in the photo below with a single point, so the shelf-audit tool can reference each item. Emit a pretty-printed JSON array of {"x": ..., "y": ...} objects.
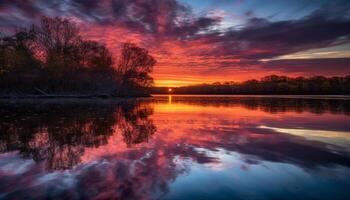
[
  {"x": 15, "y": 53},
  {"x": 56, "y": 41},
  {"x": 94, "y": 55},
  {"x": 18, "y": 67},
  {"x": 71, "y": 63},
  {"x": 53, "y": 58},
  {"x": 135, "y": 66}
]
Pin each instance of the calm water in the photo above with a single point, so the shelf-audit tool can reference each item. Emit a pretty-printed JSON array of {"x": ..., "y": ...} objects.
[{"x": 179, "y": 147}]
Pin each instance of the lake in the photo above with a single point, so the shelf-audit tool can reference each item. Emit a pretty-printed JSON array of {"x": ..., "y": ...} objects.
[{"x": 176, "y": 147}]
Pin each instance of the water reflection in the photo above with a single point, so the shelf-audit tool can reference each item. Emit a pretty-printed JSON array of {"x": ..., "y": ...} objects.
[
  {"x": 267, "y": 104},
  {"x": 59, "y": 133},
  {"x": 162, "y": 148}
]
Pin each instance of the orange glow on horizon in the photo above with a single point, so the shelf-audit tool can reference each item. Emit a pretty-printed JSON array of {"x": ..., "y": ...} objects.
[
  {"x": 174, "y": 83},
  {"x": 183, "y": 64}
]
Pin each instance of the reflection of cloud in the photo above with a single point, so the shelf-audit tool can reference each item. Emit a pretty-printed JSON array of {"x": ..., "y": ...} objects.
[
  {"x": 219, "y": 123},
  {"x": 215, "y": 136},
  {"x": 340, "y": 138},
  {"x": 60, "y": 134},
  {"x": 11, "y": 164},
  {"x": 257, "y": 105}
]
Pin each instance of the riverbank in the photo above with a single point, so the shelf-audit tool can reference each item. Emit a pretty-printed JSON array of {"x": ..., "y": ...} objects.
[
  {"x": 74, "y": 96},
  {"x": 105, "y": 96},
  {"x": 278, "y": 96},
  {"x": 71, "y": 100}
]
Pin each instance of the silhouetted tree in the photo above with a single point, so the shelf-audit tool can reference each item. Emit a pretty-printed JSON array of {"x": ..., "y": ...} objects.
[
  {"x": 94, "y": 55},
  {"x": 56, "y": 41},
  {"x": 54, "y": 57},
  {"x": 134, "y": 66},
  {"x": 18, "y": 66}
]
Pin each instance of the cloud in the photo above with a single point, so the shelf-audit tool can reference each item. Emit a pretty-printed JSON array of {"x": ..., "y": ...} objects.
[
  {"x": 179, "y": 38},
  {"x": 332, "y": 66},
  {"x": 27, "y": 8},
  {"x": 160, "y": 17},
  {"x": 261, "y": 38}
]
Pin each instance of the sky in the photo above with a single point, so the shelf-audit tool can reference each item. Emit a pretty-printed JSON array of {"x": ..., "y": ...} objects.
[{"x": 205, "y": 41}]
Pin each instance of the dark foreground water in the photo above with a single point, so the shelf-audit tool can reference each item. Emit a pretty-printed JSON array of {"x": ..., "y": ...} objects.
[{"x": 179, "y": 147}]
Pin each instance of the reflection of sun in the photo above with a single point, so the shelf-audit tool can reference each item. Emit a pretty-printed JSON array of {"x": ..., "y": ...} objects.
[{"x": 170, "y": 99}]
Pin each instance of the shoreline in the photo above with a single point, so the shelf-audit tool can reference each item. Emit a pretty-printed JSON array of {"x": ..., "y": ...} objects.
[
  {"x": 109, "y": 97},
  {"x": 96, "y": 96},
  {"x": 72, "y": 100},
  {"x": 69, "y": 99},
  {"x": 282, "y": 96}
]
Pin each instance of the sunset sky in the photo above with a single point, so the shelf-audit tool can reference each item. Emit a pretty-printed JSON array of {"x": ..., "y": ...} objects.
[{"x": 204, "y": 41}]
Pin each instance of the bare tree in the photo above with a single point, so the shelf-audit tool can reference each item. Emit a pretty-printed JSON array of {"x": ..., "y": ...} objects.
[
  {"x": 94, "y": 55},
  {"x": 56, "y": 39},
  {"x": 56, "y": 59},
  {"x": 135, "y": 65}
]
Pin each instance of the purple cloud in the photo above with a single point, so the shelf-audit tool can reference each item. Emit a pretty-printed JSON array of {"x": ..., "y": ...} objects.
[{"x": 169, "y": 21}]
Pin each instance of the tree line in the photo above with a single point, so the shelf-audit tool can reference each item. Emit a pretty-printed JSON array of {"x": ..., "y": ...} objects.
[
  {"x": 273, "y": 84},
  {"x": 53, "y": 58}
]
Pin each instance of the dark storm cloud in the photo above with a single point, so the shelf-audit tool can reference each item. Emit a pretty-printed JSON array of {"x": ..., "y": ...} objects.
[
  {"x": 119, "y": 9},
  {"x": 28, "y": 8},
  {"x": 87, "y": 6},
  {"x": 262, "y": 39},
  {"x": 169, "y": 20},
  {"x": 160, "y": 17},
  {"x": 310, "y": 66},
  {"x": 321, "y": 28},
  {"x": 14, "y": 13},
  {"x": 17, "y": 13}
]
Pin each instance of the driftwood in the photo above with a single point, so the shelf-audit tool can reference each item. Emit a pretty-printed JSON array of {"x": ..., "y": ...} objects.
[
  {"x": 40, "y": 91},
  {"x": 68, "y": 96},
  {"x": 44, "y": 95},
  {"x": 51, "y": 96}
]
